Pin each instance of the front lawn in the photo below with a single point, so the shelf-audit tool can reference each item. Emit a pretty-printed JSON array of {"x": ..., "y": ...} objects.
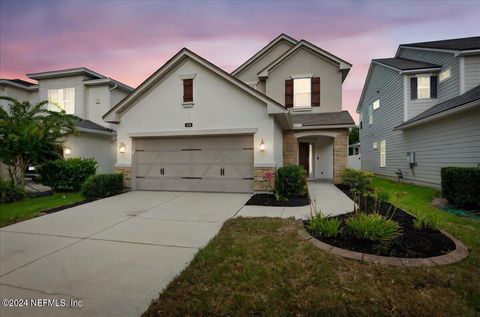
[
  {"x": 261, "y": 267},
  {"x": 31, "y": 207}
]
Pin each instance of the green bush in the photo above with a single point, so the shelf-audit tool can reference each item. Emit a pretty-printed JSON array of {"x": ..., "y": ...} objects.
[
  {"x": 9, "y": 192},
  {"x": 373, "y": 227},
  {"x": 461, "y": 186},
  {"x": 291, "y": 181},
  {"x": 426, "y": 222},
  {"x": 67, "y": 175},
  {"x": 356, "y": 180},
  {"x": 102, "y": 185},
  {"x": 323, "y": 226}
]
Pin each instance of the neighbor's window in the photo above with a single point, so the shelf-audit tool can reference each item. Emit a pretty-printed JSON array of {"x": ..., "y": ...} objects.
[
  {"x": 62, "y": 99},
  {"x": 370, "y": 115},
  {"x": 376, "y": 104},
  {"x": 361, "y": 119},
  {"x": 445, "y": 74},
  {"x": 423, "y": 90},
  {"x": 374, "y": 145},
  {"x": 302, "y": 94},
  {"x": 188, "y": 90},
  {"x": 383, "y": 154}
]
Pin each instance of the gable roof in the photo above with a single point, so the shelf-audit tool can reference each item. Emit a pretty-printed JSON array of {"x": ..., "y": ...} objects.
[
  {"x": 184, "y": 53},
  {"x": 281, "y": 38},
  {"x": 344, "y": 65},
  {"x": 403, "y": 64},
  {"x": 462, "y": 100},
  {"x": 19, "y": 83},
  {"x": 458, "y": 44},
  {"x": 74, "y": 72}
]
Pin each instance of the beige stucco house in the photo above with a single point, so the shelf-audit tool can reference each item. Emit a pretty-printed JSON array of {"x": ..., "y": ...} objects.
[
  {"x": 191, "y": 126},
  {"x": 81, "y": 92}
]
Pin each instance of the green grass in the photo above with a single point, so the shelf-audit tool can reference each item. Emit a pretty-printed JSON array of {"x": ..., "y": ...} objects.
[
  {"x": 31, "y": 207},
  {"x": 261, "y": 267}
]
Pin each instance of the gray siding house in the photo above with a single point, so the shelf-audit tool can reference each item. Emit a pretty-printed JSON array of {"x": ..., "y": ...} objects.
[{"x": 420, "y": 110}]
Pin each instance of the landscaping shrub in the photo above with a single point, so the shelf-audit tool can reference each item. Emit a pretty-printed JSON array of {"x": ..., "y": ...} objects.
[
  {"x": 356, "y": 180},
  {"x": 426, "y": 222},
  {"x": 102, "y": 185},
  {"x": 323, "y": 226},
  {"x": 291, "y": 181},
  {"x": 67, "y": 175},
  {"x": 374, "y": 227},
  {"x": 461, "y": 186},
  {"x": 9, "y": 192}
]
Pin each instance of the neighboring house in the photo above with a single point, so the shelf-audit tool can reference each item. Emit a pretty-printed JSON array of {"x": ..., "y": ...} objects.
[
  {"x": 193, "y": 127},
  {"x": 354, "y": 158},
  {"x": 81, "y": 92},
  {"x": 420, "y": 110}
]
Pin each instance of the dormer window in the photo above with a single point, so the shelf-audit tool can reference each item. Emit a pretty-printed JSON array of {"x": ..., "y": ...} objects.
[{"x": 62, "y": 100}]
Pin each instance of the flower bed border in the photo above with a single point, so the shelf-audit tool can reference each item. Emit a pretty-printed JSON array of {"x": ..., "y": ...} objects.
[{"x": 460, "y": 253}]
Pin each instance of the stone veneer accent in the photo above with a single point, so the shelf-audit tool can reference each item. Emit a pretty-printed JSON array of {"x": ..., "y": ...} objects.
[
  {"x": 127, "y": 175},
  {"x": 260, "y": 184},
  {"x": 460, "y": 252},
  {"x": 340, "y": 150}
]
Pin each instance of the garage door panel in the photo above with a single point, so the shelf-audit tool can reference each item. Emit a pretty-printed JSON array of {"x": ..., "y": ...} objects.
[{"x": 213, "y": 163}]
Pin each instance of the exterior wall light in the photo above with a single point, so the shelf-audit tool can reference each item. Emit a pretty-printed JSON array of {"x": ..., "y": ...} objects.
[
  {"x": 262, "y": 146},
  {"x": 122, "y": 148},
  {"x": 67, "y": 151}
]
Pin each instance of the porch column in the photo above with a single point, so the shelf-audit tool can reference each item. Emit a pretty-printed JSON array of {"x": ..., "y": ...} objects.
[
  {"x": 290, "y": 148},
  {"x": 340, "y": 154}
]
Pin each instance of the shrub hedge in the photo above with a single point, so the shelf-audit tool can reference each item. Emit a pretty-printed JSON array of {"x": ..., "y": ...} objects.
[
  {"x": 9, "y": 192},
  {"x": 461, "y": 186},
  {"x": 102, "y": 185},
  {"x": 356, "y": 180},
  {"x": 291, "y": 181},
  {"x": 67, "y": 175}
]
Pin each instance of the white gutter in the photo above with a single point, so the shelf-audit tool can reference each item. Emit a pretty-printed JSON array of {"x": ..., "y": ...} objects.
[{"x": 111, "y": 133}]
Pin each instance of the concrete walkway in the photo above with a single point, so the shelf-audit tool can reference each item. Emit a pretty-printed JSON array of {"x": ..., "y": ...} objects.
[
  {"x": 329, "y": 199},
  {"x": 115, "y": 254}
]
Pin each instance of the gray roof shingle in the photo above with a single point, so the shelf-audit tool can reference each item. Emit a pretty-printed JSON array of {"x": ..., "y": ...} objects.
[
  {"x": 469, "y": 96},
  {"x": 87, "y": 124},
  {"x": 405, "y": 64},
  {"x": 325, "y": 118},
  {"x": 460, "y": 44}
]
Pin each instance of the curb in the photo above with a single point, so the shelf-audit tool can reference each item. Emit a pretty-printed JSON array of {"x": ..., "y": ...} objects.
[{"x": 460, "y": 253}]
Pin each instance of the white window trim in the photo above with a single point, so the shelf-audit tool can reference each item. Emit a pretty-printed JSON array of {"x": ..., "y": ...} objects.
[
  {"x": 188, "y": 76},
  {"x": 370, "y": 115},
  {"x": 299, "y": 76},
  {"x": 303, "y": 107},
  {"x": 383, "y": 153},
  {"x": 447, "y": 69},
  {"x": 67, "y": 110},
  {"x": 418, "y": 87},
  {"x": 375, "y": 145},
  {"x": 377, "y": 101}
]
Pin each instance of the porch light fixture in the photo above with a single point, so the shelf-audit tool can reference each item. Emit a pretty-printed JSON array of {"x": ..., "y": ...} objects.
[
  {"x": 67, "y": 150},
  {"x": 262, "y": 146},
  {"x": 122, "y": 148}
]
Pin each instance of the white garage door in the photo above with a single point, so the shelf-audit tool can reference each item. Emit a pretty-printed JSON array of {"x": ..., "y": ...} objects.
[{"x": 208, "y": 163}]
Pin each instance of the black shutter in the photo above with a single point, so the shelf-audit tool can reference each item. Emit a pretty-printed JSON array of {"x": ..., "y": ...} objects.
[
  {"x": 413, "y": 88},
  {"x": 315, "y": 91},
  {"x": 289, "y": 93},
  {"x": 433, "y": 86},
  {"x": 187, "y": 90}
]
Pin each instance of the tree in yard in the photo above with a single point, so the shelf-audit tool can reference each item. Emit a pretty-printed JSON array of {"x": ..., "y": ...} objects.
[
  {"x": 31, "y": 134},
  {"x": 354, "y": 135}
]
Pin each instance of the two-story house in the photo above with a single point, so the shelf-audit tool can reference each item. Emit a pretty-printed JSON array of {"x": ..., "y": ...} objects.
[
  {"x": 191, "y": 126},
  {"x": 420, "y": 110},
  {"x": 81, "y": 92}
]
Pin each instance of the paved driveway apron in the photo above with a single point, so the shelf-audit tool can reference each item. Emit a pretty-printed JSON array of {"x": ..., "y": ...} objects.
[{"x": 115, "y": 254}]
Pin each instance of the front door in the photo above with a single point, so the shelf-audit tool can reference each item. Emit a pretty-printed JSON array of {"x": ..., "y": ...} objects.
[{"x": 304, "y": 155}]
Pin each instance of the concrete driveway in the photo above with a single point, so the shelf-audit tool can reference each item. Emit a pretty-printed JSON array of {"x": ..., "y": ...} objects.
[{"x": 115, "y": 254}]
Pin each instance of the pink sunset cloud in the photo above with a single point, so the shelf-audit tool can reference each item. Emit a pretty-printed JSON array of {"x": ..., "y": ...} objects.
[{"x": 129, "y": 40}]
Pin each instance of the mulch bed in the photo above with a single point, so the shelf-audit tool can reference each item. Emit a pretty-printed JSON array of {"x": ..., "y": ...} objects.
[
  {"x": 412, "y": 243},
  {"x": 270, "y": 200}
]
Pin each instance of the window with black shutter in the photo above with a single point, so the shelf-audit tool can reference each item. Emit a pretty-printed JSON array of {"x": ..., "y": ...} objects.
[{"x": 187, "y": 90}]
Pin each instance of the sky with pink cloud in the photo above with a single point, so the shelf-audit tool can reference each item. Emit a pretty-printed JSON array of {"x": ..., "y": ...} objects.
[{"x": 129, "y": 40}]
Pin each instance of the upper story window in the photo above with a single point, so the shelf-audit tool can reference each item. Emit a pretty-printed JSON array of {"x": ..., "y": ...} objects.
[
  {"x": 360, "y": 118},
  {"x": 383, "y": 154},
  {"x": 62, "y": 99},
  {"x": 302, "y": 92},
  {"x": 423, "y": 87},
  {"x": 188, "y": 90},
  {"x": 370, "y": 115},
  {"x": 445, "y": 74},
  {"x": 376, "y": 104}
]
